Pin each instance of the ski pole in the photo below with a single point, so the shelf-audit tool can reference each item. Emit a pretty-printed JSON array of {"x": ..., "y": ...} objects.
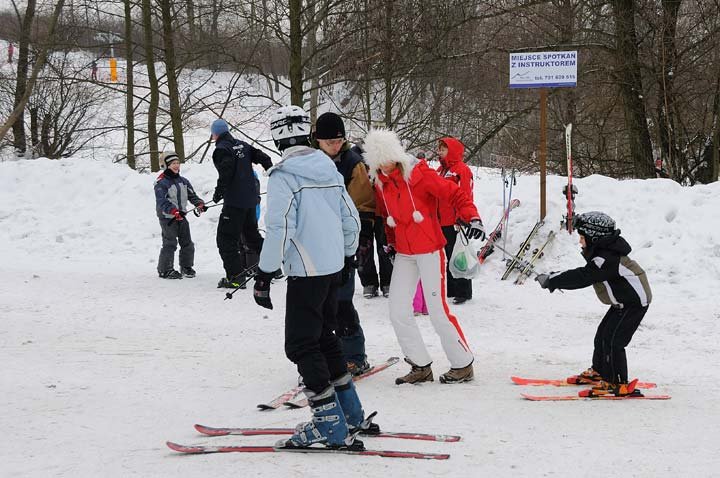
[
  {"x": 249, "y": 274},
  {"x": 524, "y": 263}
]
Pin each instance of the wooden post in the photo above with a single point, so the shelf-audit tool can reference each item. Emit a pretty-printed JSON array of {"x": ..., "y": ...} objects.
[{"x": 543, "y": 151}]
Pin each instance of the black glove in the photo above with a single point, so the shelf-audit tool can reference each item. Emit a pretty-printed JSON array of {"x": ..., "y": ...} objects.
[
  {"x": 390, "y": 251},
  {"x": 217, "y": 196},
  {"x": 475, "y": 230},
  {"x": 544, "y": 281},
  {"x": 364, "y": 252},
  {"x": 261, "y": 291},
  {"x": 348, "y": 269}
]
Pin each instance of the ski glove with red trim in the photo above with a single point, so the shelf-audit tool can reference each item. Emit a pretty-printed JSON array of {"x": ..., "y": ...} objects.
[{"x": 261, "y": 291}]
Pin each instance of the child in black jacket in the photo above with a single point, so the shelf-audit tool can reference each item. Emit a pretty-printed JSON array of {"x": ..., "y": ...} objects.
[{"x": 619, "y": 282}]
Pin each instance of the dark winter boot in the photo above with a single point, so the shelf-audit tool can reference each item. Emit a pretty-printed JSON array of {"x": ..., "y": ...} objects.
[
  {"x": 328, "y": 425},
  {"x": 226, "y": 283},
  {"x": 370, "y": 291},
  {"x": 171, "y": 274},
  {"x": 458, "y": 375},
  {"x": 385, "y": 291},
  {"x": 417, "y": 374},
  {"x": 188, "y": 272}
]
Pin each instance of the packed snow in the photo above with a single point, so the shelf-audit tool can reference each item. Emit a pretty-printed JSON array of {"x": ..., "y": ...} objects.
[{"x": 103, "y": 361}]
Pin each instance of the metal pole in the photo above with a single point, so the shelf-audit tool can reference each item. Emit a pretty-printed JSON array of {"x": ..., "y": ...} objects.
[{"x": 543, "y": 151}]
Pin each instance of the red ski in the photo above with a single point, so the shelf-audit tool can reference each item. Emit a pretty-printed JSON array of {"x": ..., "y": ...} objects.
[
  {"x": 300, "y": 401},
  {"x": 485, "y": 251},
  {"x": 566, "y": 382},
  {"x": 558, "y": 398},
  {"x": 212, "y": 431},
  {"x": 205, "y": 449}
]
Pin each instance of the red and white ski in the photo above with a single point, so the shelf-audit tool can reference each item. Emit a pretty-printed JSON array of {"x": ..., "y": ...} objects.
[
  {"x": 558, "y": 398},
  {"x": 278, "y": 401},
  {"x": 300, "y": 401},
  {"x": 212, "y": 431},
  {"x": 569, "y": 189},
  {"x": 205, "y": 449},
  {"x": 485, "y": 251},
  {"x": 566, "y": 382}
]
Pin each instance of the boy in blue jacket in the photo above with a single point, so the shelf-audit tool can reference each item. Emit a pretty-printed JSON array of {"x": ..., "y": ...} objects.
[{"x": 172, "y": 192}]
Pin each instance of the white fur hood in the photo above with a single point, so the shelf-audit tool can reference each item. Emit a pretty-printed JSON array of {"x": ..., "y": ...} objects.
[{"x": 383, "y": 146}]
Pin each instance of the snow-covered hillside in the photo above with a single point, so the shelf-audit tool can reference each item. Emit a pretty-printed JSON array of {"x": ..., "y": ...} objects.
[{"x": 103, "y": 361}]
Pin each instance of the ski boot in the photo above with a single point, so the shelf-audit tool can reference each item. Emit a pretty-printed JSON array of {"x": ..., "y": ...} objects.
[
  {"x": 589, "y": 376},
  {"x": 458, "y": 375},
  {"x": 417, "y": 374},
  {"x": 350, "y": 403},
  {"x": 356, "y": 368},
  {"x": 612, "y": 389},
  {"x": 327, "y": 427},
  {"x": 171, "y": 274}
]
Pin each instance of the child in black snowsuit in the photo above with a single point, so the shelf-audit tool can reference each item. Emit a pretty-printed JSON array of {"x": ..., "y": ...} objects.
[
  {"x": 172, "y": 192},
  {"x": 619, "y": 282}
]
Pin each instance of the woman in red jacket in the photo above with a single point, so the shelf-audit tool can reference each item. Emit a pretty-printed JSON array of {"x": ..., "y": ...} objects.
[
  {"x": 452, "y": 168},
  {"x": 407, "y": 194}
]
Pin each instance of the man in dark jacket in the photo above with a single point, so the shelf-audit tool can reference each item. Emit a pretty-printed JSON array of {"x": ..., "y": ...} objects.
[
  {"x": 619, "y": 282},
  {"x": 236, "y": 186},
  {"x": 330, "y": 137}
]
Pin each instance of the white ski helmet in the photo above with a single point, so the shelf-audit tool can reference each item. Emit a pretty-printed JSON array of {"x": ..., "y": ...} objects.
[{"x": 290, "y": 125}]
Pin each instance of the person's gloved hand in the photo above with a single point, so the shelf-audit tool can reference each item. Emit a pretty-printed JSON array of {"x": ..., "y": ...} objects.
[
  {"x": 475, "y": 229},
  {"x": 544, "y": 281},
  {"x": 261, "y": 291},
  {"x": 391, "y": 252},
  {"x": 177, "y": 214},
  {"x": 217, "y": 196},
  {"x": 199, "y": 209},
  {"x": 364, "y": 251},
  {"x": 348, "y": 269}
]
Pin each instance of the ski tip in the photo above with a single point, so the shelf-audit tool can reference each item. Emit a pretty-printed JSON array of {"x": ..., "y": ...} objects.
[
  {"x": 205, "y": 430},
  {"x": 264, "y": 407},
  {"x": 181, "y": 448}
]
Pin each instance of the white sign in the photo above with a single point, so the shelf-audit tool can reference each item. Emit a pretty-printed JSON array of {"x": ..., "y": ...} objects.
[{"x": 546, "y": 69}]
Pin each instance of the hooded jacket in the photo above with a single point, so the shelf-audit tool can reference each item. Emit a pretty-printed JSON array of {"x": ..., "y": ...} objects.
[
  {"x": 173, "y": 191},
  {"x": 311, "y": 222},
  {"x": 618, "y": 280},
  {"x": 454, "y": 169},
  {"x": 408, "y": 197}
]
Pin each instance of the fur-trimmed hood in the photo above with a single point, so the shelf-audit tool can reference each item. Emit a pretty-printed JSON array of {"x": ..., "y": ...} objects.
[{"x": 382, "y": 146}]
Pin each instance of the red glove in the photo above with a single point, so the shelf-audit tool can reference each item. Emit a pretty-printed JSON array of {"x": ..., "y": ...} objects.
[{"x": 178, "y": 215}]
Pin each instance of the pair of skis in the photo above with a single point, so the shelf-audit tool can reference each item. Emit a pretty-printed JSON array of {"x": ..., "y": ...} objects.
[
  {"x": 293, "y": 398},
  {"x": 574, "y": 381},
  {"x": 280, "y": 447}
]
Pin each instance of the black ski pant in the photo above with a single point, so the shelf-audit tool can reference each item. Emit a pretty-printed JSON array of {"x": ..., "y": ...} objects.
[
  {"x": 461, "y": 288},
  {"x": 236, "y": 225},
  {"x": 612, "y": 336},
  {"x": 348, "y": 328},
  {"x": 310, "y": 320},
  {"x": 174, "y": 232},
  {"x": 367, "y": 271}
]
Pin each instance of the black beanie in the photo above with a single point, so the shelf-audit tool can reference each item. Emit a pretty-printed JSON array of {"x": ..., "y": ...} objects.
[{"x": 329, "y": 126}]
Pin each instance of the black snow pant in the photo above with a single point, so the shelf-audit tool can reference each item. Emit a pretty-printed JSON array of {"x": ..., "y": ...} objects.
[
  {"x": 461, "y": 288},
  {"x": 348, "y": 327},
  {"x": 612, "y": 336},
  {"x": 236, "y": 225},
  {"x": 172, "y": 233},
  {"x": 368, "y": 272},
  {"x": 310, "y": 340}
]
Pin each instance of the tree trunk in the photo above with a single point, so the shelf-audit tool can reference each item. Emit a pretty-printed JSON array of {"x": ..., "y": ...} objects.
[
  {"x": 190, "y": 8},
  {"x": 567, "y": 96},
  {"x": 19, "y": 139},
  {"x": 173, "y": 90},
  {"x": 153, "y": 83},
  {"x": 388, "y": 63},
  {"x": 39, "y": 63},
  {"x": 630, "y": 83},
  {"x": 296, "y": 74},
  {"x": 314, "y": 74},
  {"x": 667, "y": 59},
  {"x": 130, "y": 90}
]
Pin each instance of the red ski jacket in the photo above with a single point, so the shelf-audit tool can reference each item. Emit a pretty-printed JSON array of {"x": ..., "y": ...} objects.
[
  {"x": 410, "y": 207},
  {"x": 452, "y": 168}
]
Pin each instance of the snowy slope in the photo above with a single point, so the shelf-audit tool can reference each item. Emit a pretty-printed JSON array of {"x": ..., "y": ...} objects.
[{"x": 103, "y": 361}]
